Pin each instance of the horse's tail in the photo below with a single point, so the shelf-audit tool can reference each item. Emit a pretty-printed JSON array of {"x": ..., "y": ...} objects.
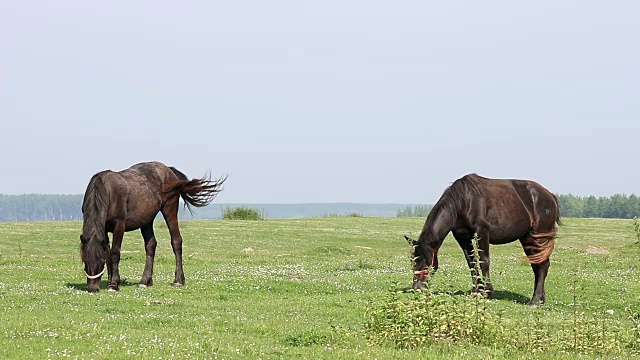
[
  {"x": 195, "y": 192},
  {"x": 558, "y": 220},
  {"x": 541, "y": 245}
]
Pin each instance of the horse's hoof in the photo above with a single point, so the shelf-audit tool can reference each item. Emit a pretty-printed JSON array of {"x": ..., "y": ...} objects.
[
  {"x": 113, "y": 289},
  {"x": 142, "y": 286},
  {"x": 176, "y": 284}
]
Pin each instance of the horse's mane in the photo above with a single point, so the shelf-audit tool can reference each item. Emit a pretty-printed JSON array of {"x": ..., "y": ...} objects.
[
  {"x": 455, "y": 197},
  {"x": 94, "y": 208}
]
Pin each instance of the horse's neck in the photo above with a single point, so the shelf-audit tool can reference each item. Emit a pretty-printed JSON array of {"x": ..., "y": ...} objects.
[{"x": 436, "y": 229}]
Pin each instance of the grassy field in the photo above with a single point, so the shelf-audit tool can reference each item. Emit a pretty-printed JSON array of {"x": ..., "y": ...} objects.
[{"x": 304, "y": 288}]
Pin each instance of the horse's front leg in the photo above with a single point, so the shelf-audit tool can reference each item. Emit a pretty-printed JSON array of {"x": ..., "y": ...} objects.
[
  {"x": 475, "y": 263},
  {"x": 113, "y": 283},
  {"x": 484, "y": 262},
  {"x": 150, "y": 249}
]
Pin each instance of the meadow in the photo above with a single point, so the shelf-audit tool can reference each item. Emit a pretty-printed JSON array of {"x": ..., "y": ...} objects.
[{"x": 308, "y": 288}]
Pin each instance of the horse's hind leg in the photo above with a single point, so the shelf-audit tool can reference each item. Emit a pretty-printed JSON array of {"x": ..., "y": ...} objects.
[
  {"x": 170, "y": 213},
  {"x": 539, "y": 272},
  {"x": 150, "y": 249}
]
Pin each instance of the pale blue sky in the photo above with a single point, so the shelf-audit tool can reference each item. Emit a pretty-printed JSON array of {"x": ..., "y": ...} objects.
[{"x": 325, "y": 101}]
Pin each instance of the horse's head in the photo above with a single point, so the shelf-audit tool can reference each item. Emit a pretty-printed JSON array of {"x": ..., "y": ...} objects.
[
  {"x": 425, "y": 263},
  {"x": 94, "y": 255}
]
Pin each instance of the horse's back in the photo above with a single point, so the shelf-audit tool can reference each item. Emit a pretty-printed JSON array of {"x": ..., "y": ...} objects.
[
  {"x": 153, "y": 172},
  {"x": 513, "y": 207},
  {"x": 135, "y": 194}
]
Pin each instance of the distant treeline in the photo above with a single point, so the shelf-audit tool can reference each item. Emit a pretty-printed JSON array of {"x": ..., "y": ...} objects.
[
  {"x": 38, "y": 207},
  {"x": 618, "y": 206},
  {"x": 416, "y": 211}
]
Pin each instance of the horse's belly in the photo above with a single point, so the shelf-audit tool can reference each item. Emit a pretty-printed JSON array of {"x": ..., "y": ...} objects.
[
  {"x": 505, "y": 227},
  {"x": 134, "y": 224},
  {"x": 507, "y": 235},
  {"x": 500, "y": 241}
]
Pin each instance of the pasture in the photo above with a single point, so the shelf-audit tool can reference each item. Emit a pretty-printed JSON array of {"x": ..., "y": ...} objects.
[{"x": 306, "y": 288}]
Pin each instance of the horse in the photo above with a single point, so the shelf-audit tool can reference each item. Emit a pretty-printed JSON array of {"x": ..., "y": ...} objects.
[
  {"x": 127, "y": 200},
  {"x": 497, "y": 211}
]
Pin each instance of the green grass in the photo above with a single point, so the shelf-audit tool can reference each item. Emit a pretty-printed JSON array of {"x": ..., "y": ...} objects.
[{"x": 299, "y": 288}]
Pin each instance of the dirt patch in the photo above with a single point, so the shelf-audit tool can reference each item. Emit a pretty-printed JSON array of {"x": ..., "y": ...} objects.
[
  {"x": 159, "y": 302},
  {"x": 591, "y": 250},
  {"x": 295, "y": 276}
]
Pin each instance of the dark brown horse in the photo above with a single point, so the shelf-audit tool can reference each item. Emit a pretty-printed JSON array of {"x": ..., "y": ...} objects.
[
  {"x": 499, "y": 212},
  {"x": 127, "y": 200}
]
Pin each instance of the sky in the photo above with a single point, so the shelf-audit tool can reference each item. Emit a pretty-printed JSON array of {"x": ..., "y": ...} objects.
[{"x": 323, "y": 101}]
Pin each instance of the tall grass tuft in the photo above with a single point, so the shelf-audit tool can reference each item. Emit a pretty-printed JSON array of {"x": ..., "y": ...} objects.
[{"x": 241, "y": 213}]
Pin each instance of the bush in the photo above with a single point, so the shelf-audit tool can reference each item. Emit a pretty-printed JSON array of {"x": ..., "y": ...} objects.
[{"x": 241, "y": 213}]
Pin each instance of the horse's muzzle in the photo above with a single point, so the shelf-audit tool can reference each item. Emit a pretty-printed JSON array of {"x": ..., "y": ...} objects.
[
  {"x": 419, "y": 278},
  {"x": 419, "y": 285},
  {"x": 93, "y": 285}
]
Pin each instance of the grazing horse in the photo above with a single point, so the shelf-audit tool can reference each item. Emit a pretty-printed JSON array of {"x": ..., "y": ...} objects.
[
  {"x": 127, "y": 200},
  {"x": 499, "y": 212}
]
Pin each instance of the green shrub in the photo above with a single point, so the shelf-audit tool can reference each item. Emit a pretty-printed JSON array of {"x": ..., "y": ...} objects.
[
  {"x": 241, "y": 213},
  {"x": 636, "y": 226}
]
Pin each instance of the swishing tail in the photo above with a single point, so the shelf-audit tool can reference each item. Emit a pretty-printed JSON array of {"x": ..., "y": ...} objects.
[
  {"x": 558, "y": 220},
  {"x": 195, "y": 192}
]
